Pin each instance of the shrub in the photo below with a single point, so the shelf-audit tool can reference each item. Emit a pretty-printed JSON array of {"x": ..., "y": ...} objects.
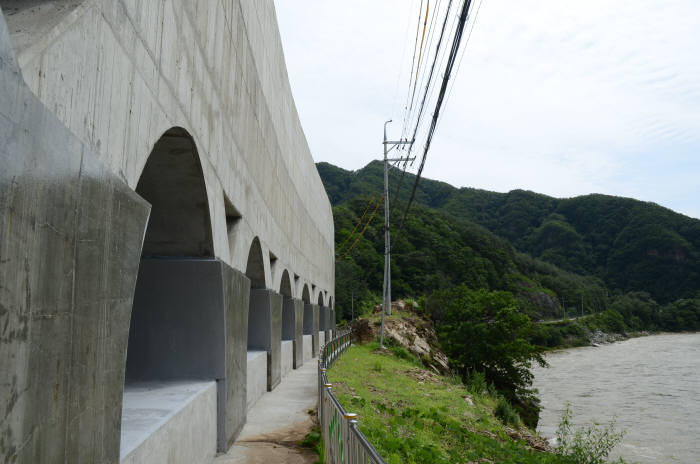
[
  {"x": 506, "y": 413},
  {"x": 586, "y": 445},
  {"x": 476, "y": 383}
]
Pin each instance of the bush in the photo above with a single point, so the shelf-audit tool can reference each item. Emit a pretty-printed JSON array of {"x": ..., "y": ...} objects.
[
  {"x": 506, "y": 413},
  {"x": 476, "y": 383},
  {"x": 586, "y": 445}
]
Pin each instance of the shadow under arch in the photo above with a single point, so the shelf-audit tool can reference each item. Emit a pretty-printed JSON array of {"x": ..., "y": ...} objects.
[
  {"x": 264, "y": 329},
  {"x": 292, "y": 326}
]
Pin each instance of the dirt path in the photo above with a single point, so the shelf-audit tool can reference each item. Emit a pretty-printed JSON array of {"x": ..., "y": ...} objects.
[{"x": 277, "y": 422}]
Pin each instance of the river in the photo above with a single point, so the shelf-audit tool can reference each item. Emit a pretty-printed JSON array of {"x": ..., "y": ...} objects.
[{"x": 652, "y": 385}]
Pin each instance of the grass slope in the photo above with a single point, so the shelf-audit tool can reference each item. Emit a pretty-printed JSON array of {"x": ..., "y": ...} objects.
[{"x": 413, "y": 416}]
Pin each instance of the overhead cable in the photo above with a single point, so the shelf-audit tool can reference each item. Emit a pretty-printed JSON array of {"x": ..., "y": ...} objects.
[
  {"x": 438, "y": 106},
  {"x": 371, "y": 201}
]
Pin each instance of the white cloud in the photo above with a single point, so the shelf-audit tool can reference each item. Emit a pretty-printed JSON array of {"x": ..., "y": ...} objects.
[{"x": 564, "y": 98}]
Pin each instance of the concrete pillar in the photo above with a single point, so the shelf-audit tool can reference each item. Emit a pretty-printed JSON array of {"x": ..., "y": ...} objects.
[
  {"x": 188, "y": 322},
  {"x": 70, "y": 240},
  {"x": 231, "y": 392},
  {"x": 293, "y": 328},
  {"x": 265, "y": 331},
  {"x": 311, "y": 322},
  {"x": 326, "y": 317}
]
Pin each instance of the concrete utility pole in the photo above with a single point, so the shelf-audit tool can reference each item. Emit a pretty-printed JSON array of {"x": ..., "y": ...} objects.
[{"x": 386, "y": 296}]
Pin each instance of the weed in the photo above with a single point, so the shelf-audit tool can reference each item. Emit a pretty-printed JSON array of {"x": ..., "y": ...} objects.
[
  {"x": 506, "y": 413},
  {"x": 586, "y": 445}
]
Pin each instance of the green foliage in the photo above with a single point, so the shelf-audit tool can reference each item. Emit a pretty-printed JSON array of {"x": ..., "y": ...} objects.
[
  {"x": 586, "y": 445},
  {"x": 314, "y": 441},
  {"x": 506, "y": 413},
  {"x": 476, "y": 382},
  {"x": 627, "y": 244},
  {"x": 411, "y": 421},
  {"x": 484, "y": 331}
]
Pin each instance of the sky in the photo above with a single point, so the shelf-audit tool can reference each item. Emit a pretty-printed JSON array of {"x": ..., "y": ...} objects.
[{"x": 559, "y": 97}]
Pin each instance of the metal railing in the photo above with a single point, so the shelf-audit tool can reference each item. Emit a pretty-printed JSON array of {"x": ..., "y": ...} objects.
[{"x": 343, "y": 441}]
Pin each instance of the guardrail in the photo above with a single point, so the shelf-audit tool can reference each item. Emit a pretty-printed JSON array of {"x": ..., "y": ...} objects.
[{"x": 343, "y": 441}]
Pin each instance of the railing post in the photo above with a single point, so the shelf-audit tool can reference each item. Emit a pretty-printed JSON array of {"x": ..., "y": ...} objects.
[{"x": 351, "y": 418}]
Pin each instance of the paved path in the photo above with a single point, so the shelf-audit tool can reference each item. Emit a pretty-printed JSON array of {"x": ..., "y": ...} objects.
[{"x": 278, "y": 421}]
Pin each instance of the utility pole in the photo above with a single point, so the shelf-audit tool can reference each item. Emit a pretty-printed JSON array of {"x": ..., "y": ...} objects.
[
  {"x": 352, "y": 305},
  {"x": 386, "y": 296}
]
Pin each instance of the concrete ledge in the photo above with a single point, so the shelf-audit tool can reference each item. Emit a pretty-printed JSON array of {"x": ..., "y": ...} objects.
[
  {"x": 308, "y": 348},
  {"x": 256, "y": 384},
  {"x": 173, "y": 422},
  {"x": 287, "y": 356}
]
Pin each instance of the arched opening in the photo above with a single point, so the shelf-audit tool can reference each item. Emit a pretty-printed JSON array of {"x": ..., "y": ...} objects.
[
  {"x": 310, "y": 327},
  {"x": 289, "y": 325},
  {"x": 323, "y": 320},
  {"x": 175, "y": 325},
  {"x": 255, "y": 267},
  {"x": 305, "y": 295},
  {"x": 264, "y": 329}
]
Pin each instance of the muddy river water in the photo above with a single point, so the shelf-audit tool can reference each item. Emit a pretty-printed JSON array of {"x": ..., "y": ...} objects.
[{"x": 651, "y": 384}]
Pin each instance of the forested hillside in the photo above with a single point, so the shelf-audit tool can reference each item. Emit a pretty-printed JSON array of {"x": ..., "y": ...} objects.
[
  {"x": 621, "y": 244},
  {"x": 487, "y": 266}
]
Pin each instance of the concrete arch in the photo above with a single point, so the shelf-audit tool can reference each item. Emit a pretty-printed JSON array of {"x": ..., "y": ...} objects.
[
  {"x": 172, "y": 181},
  {"x": 255, "y": 267},
  {"x": 305, "y": 295},
  {"x": 286, "y": 285},
  {"x": 319, "y": 300}
]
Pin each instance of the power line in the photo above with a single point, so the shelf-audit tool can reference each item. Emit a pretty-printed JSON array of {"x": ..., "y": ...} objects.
[
  {"x": 425, "y": 95},
  {"x": 369, "y": 221},
  {"x": 369, "y": 205},
  {"x": 441, "y": 96}
]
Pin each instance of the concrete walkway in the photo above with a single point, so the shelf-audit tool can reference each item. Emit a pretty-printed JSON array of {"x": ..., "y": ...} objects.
[{"x": 278, "y": 421}]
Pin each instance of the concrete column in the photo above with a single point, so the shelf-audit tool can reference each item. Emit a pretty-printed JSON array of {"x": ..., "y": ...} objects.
[
  {"x": 231, "y": 390},
  {"x": 293, "y": 328},
  {"x": 265, "y": 331},
  {"x": 311, "y": 322},
  {"x": 325, "y": 315},
  {"x": 188, "y": 322},
  {"x": 70, "y": 240}
]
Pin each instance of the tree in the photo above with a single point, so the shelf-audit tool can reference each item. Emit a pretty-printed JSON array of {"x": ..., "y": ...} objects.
[{"x": 485, "y": 331}]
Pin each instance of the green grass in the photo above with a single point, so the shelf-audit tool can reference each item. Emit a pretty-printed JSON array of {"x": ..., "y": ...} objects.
[{"x": 411, "y": 417}]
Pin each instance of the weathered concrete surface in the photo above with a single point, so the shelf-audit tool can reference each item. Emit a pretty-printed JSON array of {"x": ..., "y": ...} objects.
[
  {"x": 256, "y": 384},
  {"x": 299, "y": 333},
  {"x": 70, "y": 243},
  {"x": 119, "y": 74},
  {"x": 277, "y": 422},
  {"x": 287, "y": 357},
  {"x": 105, "y": 87},
  {"x": 308, "y": 353},
  {"x": 265, "y": 330},
  {"x": 236, "y": 288},
  {"x": 169, "y": 423}
]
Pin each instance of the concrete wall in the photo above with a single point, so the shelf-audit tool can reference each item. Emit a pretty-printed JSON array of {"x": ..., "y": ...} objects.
[
  {"x": 118, "y": 74},
  {"x": 265, "y": 330},
  {"x": 236, "y": 288},
  {"x": 308, "y": 353},
  {"x": 184, "y": 437},
  {"x": 256, "y": 384},
  {"x": 87, "y": 90},
  {"x": 70, "y": 241},
  {"x": 293, "y": 327},
  {"x": 287, "y": 357}
]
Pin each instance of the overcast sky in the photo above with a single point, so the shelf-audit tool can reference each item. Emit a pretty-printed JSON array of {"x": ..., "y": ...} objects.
[{"x": 559, "y": 97}]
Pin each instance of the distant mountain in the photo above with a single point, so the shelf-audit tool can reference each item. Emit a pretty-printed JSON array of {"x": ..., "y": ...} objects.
[{"x": 628, "y": 245}]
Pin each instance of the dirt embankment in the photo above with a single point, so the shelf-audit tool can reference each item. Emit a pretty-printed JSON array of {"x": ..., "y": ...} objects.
[{"x": 408, "y": 330}]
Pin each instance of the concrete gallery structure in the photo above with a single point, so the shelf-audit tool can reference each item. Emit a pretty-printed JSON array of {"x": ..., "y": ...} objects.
[{"x": 166, "y": 243}]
